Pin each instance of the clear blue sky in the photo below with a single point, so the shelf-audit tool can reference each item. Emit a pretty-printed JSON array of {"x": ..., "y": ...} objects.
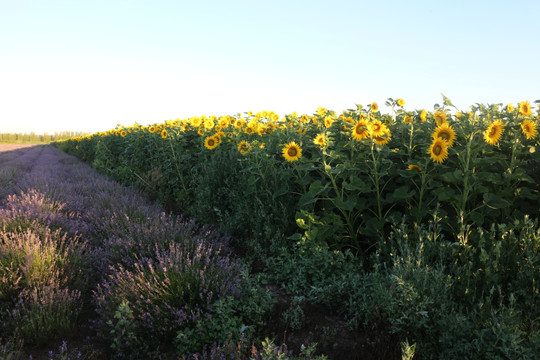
[{"x": 90, "y": 65}]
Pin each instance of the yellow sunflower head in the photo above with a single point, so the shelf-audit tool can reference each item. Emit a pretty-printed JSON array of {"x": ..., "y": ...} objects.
[
  {"x": 360, "y": 130},
  {"x": 211, "y": 142},
  {"x": 493, "y": 133},
  {"x": 373, "y": 107},
  {"x": 525, "y": 108},
  {"x": 438, "y": 150},
  {"x": 244, "y": 147},
  {"x": 151, "y": 129},
  {"x": 321, "y": 140},
  {"x": 440, "y": 117},
  {"x": 195, "y": 122},
  {"x": 240, "y": 123},
  {"x": 378, "y": 129},
  {"x": 407, "y": 119},
  {"x": 208, "y": 124},
  {"x": 445, "y": 132},
  {"x": 400, "y": 102},
  {"x": 292, "y": 151},
  {"x": 381, "y": 140},
  {"x": 423, "y": 115},
  {"x": 328, "y": 121},
  {"x": 529, "y": 128},
  {"x": 509, "y": 108},
  {"x": 123, "y": 133},
  {"x": 414, "y": 167},
  {"x": 164, "y": 134}
]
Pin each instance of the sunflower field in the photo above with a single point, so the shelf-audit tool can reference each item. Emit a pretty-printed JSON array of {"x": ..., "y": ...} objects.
[
  {"x": 340, "y": 181},
  {"x": 416, "y": 225}
]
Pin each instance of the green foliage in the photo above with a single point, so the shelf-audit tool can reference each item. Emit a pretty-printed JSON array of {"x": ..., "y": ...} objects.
[
  {"x": 122, "y": 330},
  {"x": 477, "y": 299},
  {"x": 270, "y": 351},
  {"x": 231, "y": 317}
]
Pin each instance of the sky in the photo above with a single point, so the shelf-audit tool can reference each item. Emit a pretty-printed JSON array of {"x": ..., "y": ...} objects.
[{"x": 77, "y": 65}]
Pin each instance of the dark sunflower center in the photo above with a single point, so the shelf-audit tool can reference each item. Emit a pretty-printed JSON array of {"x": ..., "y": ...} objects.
[
  {"x": 211, "y": 142},
  {"x": 292, "y": 152},
  {"x": 444, "y": 136},
  {"x": 493, "y": 131},
  {"x": 437, "y": 150}
]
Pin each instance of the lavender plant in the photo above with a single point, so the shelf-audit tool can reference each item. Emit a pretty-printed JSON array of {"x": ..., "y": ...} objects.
[{"x": 168, "y": 293}]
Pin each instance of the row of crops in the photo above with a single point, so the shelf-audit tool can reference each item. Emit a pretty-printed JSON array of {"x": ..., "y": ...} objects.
[{"x": 336, "y": 180}]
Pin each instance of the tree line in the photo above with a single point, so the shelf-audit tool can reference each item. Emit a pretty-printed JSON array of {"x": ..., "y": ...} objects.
[{"x": 33, "y": 138}]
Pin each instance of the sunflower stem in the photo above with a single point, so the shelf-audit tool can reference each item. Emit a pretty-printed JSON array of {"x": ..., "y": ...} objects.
[
  {"x": 340, "y": 195},
  {"x": 422, "y": 188},
  {"x": 411, "y": 140},
  {"x": 376, "y": 181},
  {"x": 466, "y": 190}
]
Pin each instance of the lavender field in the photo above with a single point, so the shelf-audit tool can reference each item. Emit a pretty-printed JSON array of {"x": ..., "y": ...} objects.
[{"x": 91, "y": 269}]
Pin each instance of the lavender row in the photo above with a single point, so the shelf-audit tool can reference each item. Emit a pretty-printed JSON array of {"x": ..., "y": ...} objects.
[{"x": 74, "y": 243}]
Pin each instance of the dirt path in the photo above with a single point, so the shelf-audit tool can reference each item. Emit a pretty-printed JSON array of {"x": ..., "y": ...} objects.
[{"x": 9, "y": 147}]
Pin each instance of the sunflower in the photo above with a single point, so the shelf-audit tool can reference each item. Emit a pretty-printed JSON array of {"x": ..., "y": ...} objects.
[
  {"x": 360, "y": 130},
  {"x": 244, "y": 147},
  {"x": 211, "y": 142},
  {"x": 378, "y": 129},
  {"x": 321, "y": 140},
  {"x": 438, "y": 150},
  {"x": 200, "y": 131},
  {"x": 195, "y": 121},
  {"x": 400, "y": 102},
  {"x": 493, "y": 133},
  {"x": 529, "y": 128},
  {"x": 440, "y": 117},
  {"x": 328, "y": 121},
  {"x": 164, "y": 134},
  {"x": 304, "y": 119},
  {"x": 209, "y": 124},
  {"x": 509, "y": 108},
  {"x": 525, "y": 108},
  {"x": 380, "y": 140},
  {"x": 261, "y": 129},
  {"x": 321, "y": 111},
  {"x": 373, "y": 107},
  {"x": 240, "y": 123},
  {"x": 407, "y": 119},
  {"x": 423, "y": 115},
  {"x": 123, "y": 133},
  {"x": 249, "y": 129},
  {"x": 292, "y": 151},
  {"x": 152, "y": 129},
  {"x": 414, "y": 167},
  {"x": 446, "y": 133}
]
